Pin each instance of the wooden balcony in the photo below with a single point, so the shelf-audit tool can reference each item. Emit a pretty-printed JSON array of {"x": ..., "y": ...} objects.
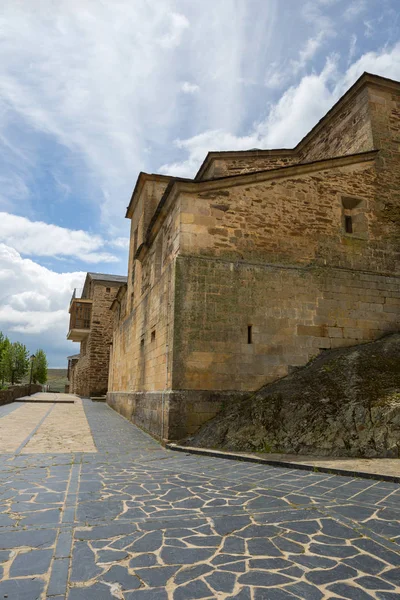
[{"x": 80, "y": 312}]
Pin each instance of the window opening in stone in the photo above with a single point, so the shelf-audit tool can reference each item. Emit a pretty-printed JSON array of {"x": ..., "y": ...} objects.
[
  {"x": 142, "y": 344},
  {"x": 348, "y": 222},
  {"x": 249, "y": 334},
  {"x": 153, "y": 336},
  {"x": 108, "y": 290}
]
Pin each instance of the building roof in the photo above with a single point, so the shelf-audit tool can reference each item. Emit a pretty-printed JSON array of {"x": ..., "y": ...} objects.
[
  {"x": 107, "y": 277},
  {"x": 364, "y": 79},
  {"x": 74, "y": 357}
]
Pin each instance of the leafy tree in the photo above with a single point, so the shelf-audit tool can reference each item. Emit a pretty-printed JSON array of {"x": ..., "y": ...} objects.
[
  {"x": 39, "y": 372},
  {"x": 15, "y": 361},
  {"x": 4, "y": 343}
]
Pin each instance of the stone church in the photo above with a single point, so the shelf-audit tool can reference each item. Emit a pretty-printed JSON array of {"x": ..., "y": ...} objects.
[{"x": 260, "y": 262}]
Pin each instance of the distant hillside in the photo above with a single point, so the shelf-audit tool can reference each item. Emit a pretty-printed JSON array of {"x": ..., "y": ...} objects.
[{"x": 57, "y": 379}]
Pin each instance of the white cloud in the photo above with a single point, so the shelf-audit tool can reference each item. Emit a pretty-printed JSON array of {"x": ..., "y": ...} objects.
[
  {"x": 189, "y": 88},
  {"x": 121, "y": 242},
  {"x": 354, "y": 9},
  {"x": 33, "y": 299},
  {"x": 295, "y": 113},
  {"x": 35, "y": 238},
  {"x": 102, "y": 81},
  {"x": 177, "y": 24}
]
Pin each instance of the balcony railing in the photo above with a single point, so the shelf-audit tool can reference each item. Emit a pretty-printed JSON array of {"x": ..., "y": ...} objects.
[{"x": 80, "y": 318}]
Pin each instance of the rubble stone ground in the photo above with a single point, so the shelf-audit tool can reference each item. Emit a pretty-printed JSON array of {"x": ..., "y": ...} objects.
[{"x": 133, "y": 520}]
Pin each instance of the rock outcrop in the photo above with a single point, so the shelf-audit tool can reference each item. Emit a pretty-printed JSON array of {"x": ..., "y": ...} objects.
[{"x": 346, "y": 402}]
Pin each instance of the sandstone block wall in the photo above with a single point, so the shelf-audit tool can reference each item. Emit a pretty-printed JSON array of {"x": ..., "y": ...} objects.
[
  {"x": 248, "y": 277},
  {"x": 89, "y": 376},
  {"x": 293, "y": 312},
  {"x": 18, "y": 391}
]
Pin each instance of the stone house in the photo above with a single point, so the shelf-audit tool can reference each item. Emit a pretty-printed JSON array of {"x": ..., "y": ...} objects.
[
  {"x": 91, "y": 325},
  {"x": 263, "y": 260}
]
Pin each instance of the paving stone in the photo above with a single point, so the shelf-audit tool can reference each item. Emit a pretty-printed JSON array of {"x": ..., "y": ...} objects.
[
  {"x": 373, "y": 583},
  {"x": 43, "y": 538},
  {"x": 106, "y": 556},
  {"x": 272, "y": 594},
  {"x": 22, "y": 589},
  {"x": 226, "y": 525},
  {"x": 314, "y": 562},
  {"x": 154, "y": 594},
  {"x": 288, "y": 546},
  {"x": 59, "y": 577},
  {"x": 305, "y": 590},
  {"x": 329, "y": 575},
  {"x": 98, "y": 591},
  {"x": 194, "y": 589},
  {"x": 84, "y": 566},
  {"x": 119, "y": 574},
  {"x": 349, "y": 591},
  {"x": 222, "y": 528},
  {"x": 156, "y": 576},
  {"x": 269, "y": 563},
  {"x": 221, "y": 582},
  {"x": 35, "y": 562},
  {"x": 263, "y": 578},
  {"x": 233, "y": 545},
  {"x": 336, "y": 551},
  {"x": 377, "y": 550},
  {"x": 393, "y": 576},
  {"x": 191, "y": 573},
  {"x": 365, "y": 563},
  {"x": 185, "y": 556},
  {"x": 260, "y": 546}
]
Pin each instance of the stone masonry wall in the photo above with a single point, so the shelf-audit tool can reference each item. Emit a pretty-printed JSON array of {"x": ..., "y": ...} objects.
[
  {"x": 347, "y": 132},
  {"x": 90, "y": 374},
  {"x": 227, "y": 166},
  {"x": 295, "y": 220},
  {"x": 293, "y": 312},
  {"x": 143, "y": 333},
  {"x": 18, "y": 391}
]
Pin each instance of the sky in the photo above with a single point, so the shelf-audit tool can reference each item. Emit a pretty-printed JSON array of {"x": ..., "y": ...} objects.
[{"x": 94, "y": 91}]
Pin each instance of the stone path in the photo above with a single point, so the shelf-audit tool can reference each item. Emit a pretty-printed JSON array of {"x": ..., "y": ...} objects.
[{"x": 136, "y": 521}]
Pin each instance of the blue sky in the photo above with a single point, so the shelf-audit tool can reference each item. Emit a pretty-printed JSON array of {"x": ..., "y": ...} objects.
[{"x": 93, "y": 91}]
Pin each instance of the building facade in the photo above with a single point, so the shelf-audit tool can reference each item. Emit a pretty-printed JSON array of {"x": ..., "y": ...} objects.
[
  {"x": 91, "y": 325},
  {"x": 265, "y": 259}
]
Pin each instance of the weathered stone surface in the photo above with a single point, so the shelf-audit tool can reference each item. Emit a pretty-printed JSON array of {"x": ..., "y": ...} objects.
[
  {"x": 344, "y": 403},
  {"x": 245, "y": 273}
]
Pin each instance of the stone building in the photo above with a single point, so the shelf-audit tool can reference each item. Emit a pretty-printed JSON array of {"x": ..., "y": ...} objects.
[
  {"x": 265, "y": 259},
  {"x": 72, "y": 362},
  {"x": 91, "y": 324}
]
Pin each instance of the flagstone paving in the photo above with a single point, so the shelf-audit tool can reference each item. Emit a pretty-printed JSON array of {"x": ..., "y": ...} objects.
[{"x": 136, "y": 521}]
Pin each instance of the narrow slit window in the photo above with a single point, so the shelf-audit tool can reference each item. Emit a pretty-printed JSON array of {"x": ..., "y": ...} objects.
[
  {"x": 142, "y": 344},
  {"x": 249, "y": 334},
  {"x": 348, "y": 223},
  {"x": 153, "y": 335}
]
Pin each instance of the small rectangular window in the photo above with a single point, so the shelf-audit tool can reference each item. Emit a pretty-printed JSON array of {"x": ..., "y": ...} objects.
[
  {"x": 250, "y": 334},
  {"x": 153, "y": 336},
  {"x": 348, "y": 222},
  {"x": 142, "y": 344},
  {"x": 108, "y": 290}
]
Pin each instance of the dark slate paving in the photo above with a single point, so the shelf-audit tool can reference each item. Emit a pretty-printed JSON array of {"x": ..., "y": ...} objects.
[{"x": 136, "y": 521}]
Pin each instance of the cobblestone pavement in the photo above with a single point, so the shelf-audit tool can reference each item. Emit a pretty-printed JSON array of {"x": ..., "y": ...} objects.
[{"x": 135, "y": 521}]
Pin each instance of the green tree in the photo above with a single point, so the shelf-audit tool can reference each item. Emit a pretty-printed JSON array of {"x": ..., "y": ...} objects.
[
  {"x": 39, "y": 372},
  {"x": 15, "y": 362},
  {"x": 4, "y": 343}
]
